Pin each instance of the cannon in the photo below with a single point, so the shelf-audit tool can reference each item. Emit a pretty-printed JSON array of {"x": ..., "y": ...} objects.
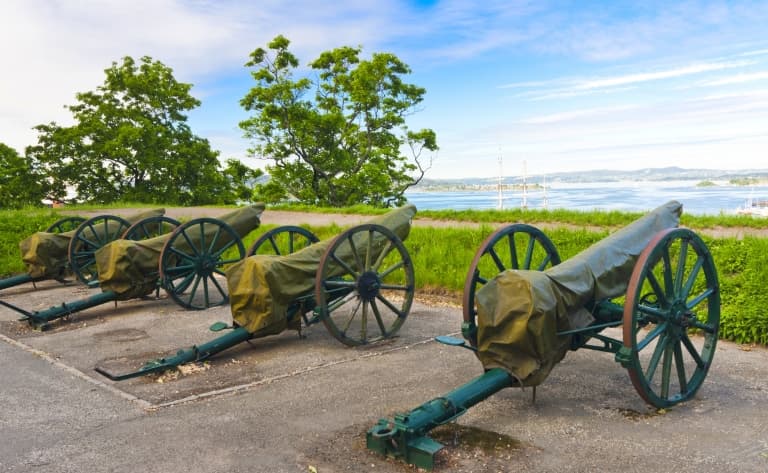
[
  {"x": 655, "y": 281},
  {"x": 68, "y": 245},
  {"x": 187, "y": 262},
  {"x": 360, "y": 285}
]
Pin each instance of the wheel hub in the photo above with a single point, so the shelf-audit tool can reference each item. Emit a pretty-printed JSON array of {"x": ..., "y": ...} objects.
[{"x": 368, "y": 285}]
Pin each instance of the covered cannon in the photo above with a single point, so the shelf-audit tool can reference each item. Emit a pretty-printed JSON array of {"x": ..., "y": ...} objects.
[
  {"x": 67, "y": 247},
  {"x": 188, "y": 263},
  {"x": 521, "y": 322},
  {"x": 360, "y": 285}
]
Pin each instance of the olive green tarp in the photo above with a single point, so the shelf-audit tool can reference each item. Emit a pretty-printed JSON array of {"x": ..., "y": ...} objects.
[
  {"x": 46, "y": 254},
  {"x": 262, "y": 287},
  {"x": 130, "y": 268},
  {"x": 520, "y": 312}
]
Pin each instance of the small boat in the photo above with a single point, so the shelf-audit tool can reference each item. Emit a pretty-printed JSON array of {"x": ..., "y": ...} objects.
[{"x": 757, "y": 207}]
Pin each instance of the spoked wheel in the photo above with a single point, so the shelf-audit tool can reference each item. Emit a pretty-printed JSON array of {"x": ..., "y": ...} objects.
[
  {"x": 150, "y": 227},
  {"x": 66, "y": 224},
  {"x": 671, "y": 318},
  {"x": 89, "y": 237},
  {"x": 282, "y": 241},
  {"x": 364, "y": 285},
  {"x": 517, "y": 246},
  {"x": 193, "y": 260}
]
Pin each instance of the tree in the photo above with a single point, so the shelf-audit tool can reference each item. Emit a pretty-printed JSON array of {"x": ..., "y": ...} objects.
[
  {"x": 241, "y": 180},
  {"x": 20, "y": 183},
  {"x": 131, "y": 141},
  {"x": 343, "y": 145}
]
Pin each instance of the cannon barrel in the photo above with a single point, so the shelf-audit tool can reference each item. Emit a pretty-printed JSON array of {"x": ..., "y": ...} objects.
[{"x": 405, "y": 437}]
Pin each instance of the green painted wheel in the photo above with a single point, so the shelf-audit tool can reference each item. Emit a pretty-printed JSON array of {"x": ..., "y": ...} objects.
[
  {"x": 283, "y": 240},
  {"x": 193, "y": 260},
  {"x": 364, "y": 285},
  {"x": 66, "y": 224},
  {"x": 89, "y": 237},
  {"x": 517, "y": 246},
  {"x": 150, "y": 227},
  {"x": 671, "y": 318}
]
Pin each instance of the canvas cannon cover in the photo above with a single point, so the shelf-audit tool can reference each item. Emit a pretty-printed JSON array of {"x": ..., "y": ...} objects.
[
  {"x": 46, "y": 254},
  {"x": 262, "y": 287},
  {"x": 130, "y": 268},
  {"x": 520, "y": 312}
]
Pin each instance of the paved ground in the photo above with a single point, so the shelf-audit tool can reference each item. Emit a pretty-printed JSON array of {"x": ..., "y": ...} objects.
[{"x": 285, "y": 404}]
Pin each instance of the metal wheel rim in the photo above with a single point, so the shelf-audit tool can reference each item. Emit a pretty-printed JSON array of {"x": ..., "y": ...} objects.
[
  {"x": 87, "y": 239},
  {"x": 670, "y": 316},
  {"x": 150, "y": 227},
  {"x": 184, "y": 264},
  {"x": 367, "y": 302},
  {"x": 474, "y": 279},
  {"x": 296, "y": 238}
]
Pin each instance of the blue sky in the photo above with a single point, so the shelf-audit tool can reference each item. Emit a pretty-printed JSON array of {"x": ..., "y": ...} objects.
[{"x": 559, "y": 86}]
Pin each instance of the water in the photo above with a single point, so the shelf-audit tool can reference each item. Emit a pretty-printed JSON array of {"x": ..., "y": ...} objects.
[{"x": 624, "y": 196}]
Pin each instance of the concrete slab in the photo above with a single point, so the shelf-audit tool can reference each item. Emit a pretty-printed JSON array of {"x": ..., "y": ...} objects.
[{"x": 287, "y": 404}]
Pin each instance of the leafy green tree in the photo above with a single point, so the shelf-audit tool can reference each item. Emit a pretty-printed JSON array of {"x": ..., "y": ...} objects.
[
  {"x": 342, "y": 145},
  {"x": 20, "y": 183},
  {"x": 241, "y": 180},
  {"x": 131, "y": 141}
]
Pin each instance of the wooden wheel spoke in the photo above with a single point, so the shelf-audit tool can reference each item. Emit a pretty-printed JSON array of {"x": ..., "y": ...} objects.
[
  {"x": 660, "y": 293},
  {"x": 205, "y": 290},
  {"x": 87, "y": 242},
  {"x": 400, "y": 264},
  {"x": 699, "y": 299},
  {"x": 194, "y": 289},
  {"x": 390, "y": 305},
  {"x": 693, "y": 351},
  {"x": 682, "y": 257},
  {"x": 364, "y": 323},
  {"x": 680, "y": 367},
  {"x": 182, "y": 255},
  {"x": 480, "y": 280},
  {"x": 218, "y": 287},
  {"x": 658, "y": 330},
  {"x": 179, "y": 269},
  {"x": 272, "y": 242},
  {"x": 369, "y": 251},
  {"x": 384, "y": 253},
  {"x": 352, "y": 316},
  {"x": 544, "y": 263},
  {"x": 212, "y": 246},
  {"x": 669, "y": 284},
  {"x": 656, "y": 357},
  {"x": 355, "y": 254},
  {"x": 379, "y": 320},
  {"x": 686, "y": 290},
  {"x": 394, "y": 287},
  {"x": 513, "y": 252},
  {"x": 189, "y": 242},
  {"x": 666, "y": 371},
  {"x": 345, "y": 266},
  {"x": 223, "y": 249},
  {"x": 529, "y": 252},
  {"x": 496, "y": 259}
]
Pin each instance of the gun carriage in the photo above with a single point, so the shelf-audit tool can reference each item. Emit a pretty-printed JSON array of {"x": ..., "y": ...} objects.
[
  {"x": 188, "y": 263},
  {"x": 523, "y": 311},
  {"x": 360, "y": 285}
]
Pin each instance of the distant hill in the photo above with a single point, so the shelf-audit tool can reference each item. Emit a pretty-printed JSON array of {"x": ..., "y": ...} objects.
[{"x": 671, "y": 173}]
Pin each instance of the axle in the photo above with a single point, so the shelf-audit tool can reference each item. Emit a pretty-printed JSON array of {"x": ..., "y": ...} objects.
[
  {"x": 405, "y": 435},
  {"x": 195, "y": 353}
]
